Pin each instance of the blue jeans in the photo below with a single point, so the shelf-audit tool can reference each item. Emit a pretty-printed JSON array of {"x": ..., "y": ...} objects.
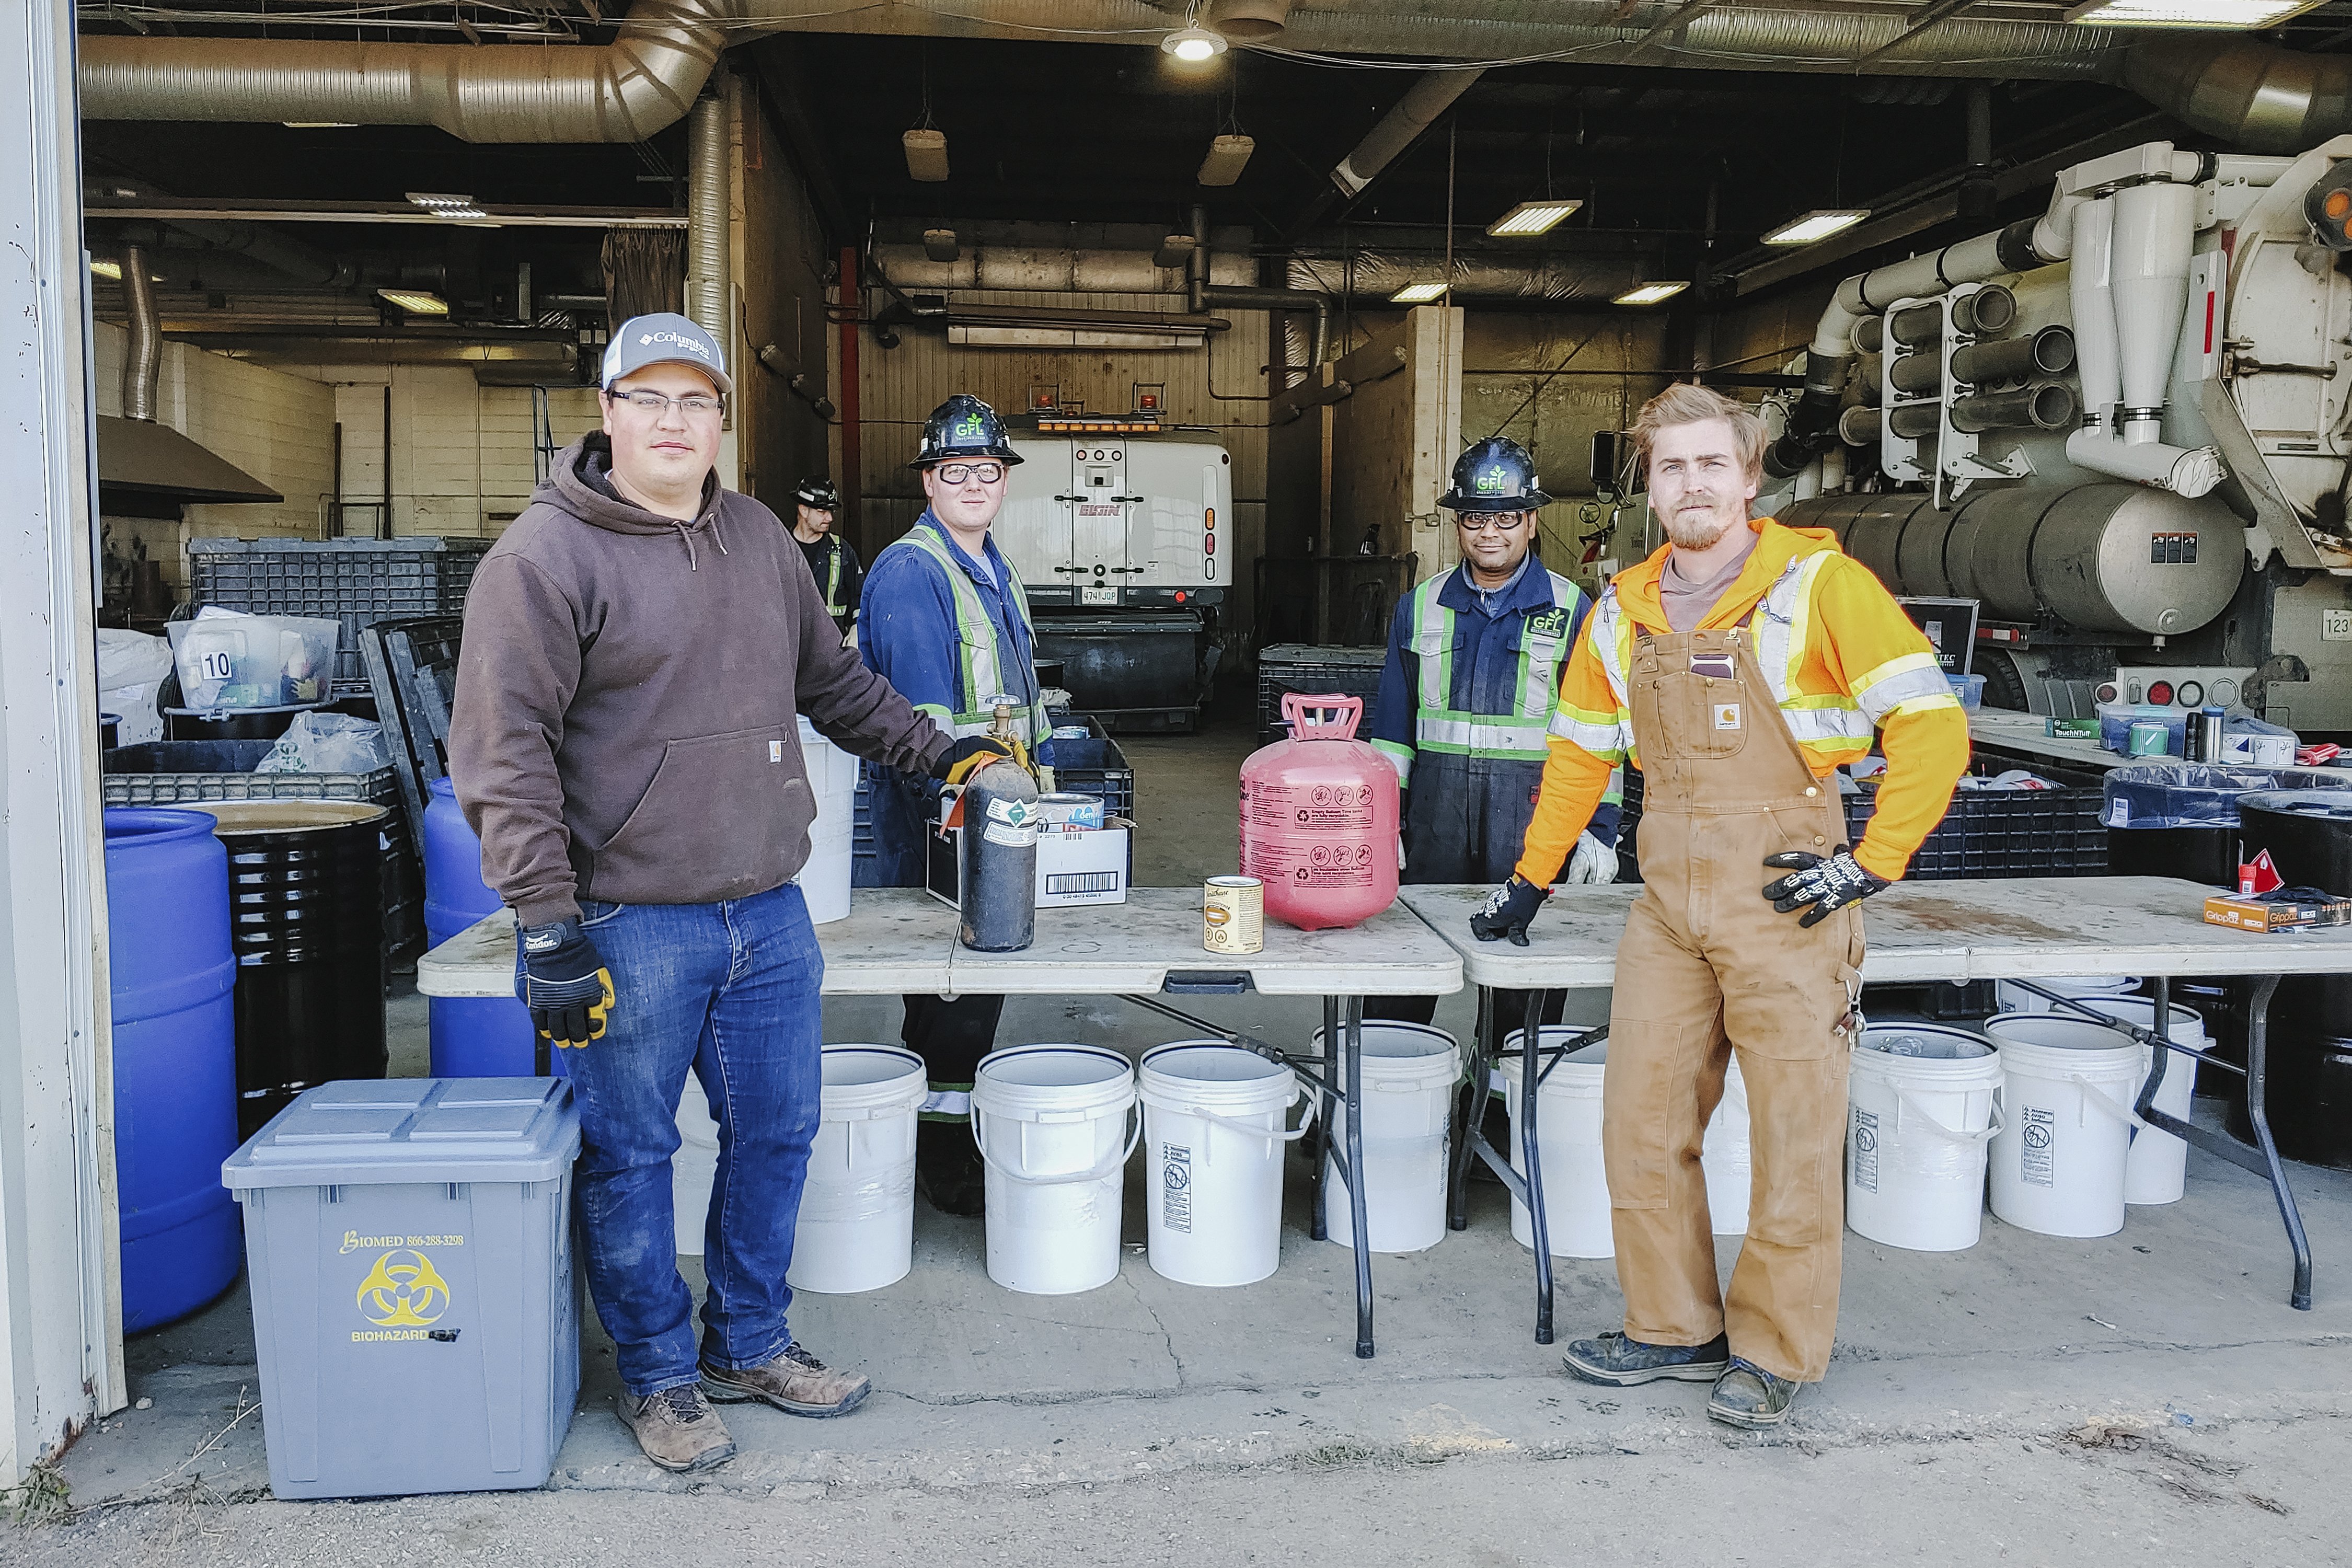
[{"x": 729, "y": 990}]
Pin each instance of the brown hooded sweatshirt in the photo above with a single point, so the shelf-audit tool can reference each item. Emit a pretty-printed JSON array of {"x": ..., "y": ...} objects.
[{"x": 623, "y": 727}]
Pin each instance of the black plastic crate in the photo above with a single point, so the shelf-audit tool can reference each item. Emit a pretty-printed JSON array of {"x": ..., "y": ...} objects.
[
  {"x": 1314, "y": 670},
  {"x": 2004, "y": 832},
  {"x": 358, "y": 582}
]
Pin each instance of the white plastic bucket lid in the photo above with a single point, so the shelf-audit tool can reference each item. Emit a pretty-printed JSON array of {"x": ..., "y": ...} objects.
[
  {"x": 1215, "y": 1076},
  {"x": 872, "y": 1080},
  {"x": 2046, "y": 1042},
  {"x": 1031, "y": 1082},
  {"x": 1930, "y": 1051}
]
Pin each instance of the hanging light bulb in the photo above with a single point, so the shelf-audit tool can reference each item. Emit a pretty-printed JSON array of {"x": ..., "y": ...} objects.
[{"x": 1193, "y": 46}]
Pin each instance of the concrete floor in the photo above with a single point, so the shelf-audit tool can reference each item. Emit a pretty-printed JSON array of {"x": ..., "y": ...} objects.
[{"x": 2033, "y": 1399}]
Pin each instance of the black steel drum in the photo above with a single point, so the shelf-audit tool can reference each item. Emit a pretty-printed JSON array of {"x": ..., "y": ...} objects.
[
  {"x": 306, "y": 921},
  {"x": 2309, "y": 835}
]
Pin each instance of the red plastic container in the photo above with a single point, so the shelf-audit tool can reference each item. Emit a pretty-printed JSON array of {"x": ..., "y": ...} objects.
[{"x": 1320, "y": 818}]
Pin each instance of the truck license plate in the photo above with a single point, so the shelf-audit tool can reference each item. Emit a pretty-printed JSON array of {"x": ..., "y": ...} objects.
[{"x": 1091, "y": 594}]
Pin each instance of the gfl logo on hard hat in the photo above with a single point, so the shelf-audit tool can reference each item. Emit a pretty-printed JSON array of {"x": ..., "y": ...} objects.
[{"x": 1493, "y": 481}]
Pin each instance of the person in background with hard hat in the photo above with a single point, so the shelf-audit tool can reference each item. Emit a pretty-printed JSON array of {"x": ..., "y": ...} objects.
[
  {"x": 1473, "y": 672},
  {"x": 945, "y": 620},
  {"x": 1737, "y": 666},
  {"x": 831, "y": 562},
  {"x": 646, "y": 820}
]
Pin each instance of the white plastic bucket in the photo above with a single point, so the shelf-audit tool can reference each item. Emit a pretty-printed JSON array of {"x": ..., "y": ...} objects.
[
  {"x": 2065, "y": 1100},
  {"x": 1051, "y": 1122},
  {"x": 1567, "y": 1136},
  {"x": 856, "y": 1228},
  {"x": 694, "y": 1169},
  {"x": 2013, "y": 997},
  {"x": 1410, "y": 1071},
  {"x": 1725, "y": 1157},
  {"x": 1920, "y": 1111},
  {"x": 2156, "y": 1171},
  {"x": 1213, "y": 1123},
  {"x": 833, "y": 776}
]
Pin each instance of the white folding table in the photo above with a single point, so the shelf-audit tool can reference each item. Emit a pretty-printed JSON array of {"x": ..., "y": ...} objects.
[
  {"x": 2023, "y": 929},
  {"x": 903, "y": 940}
]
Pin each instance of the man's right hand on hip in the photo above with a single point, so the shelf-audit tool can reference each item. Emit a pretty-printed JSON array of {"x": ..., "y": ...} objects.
[
  {"x": 1507, "y": 910},
  {"x": 564, "y": 982},
  {"x": 967, "y": 757}
]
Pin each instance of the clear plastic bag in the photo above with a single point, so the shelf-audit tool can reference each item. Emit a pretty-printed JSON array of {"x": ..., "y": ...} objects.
[
  {"x": 328, "y": 743},
  {"x": 2196, "y": 794}
]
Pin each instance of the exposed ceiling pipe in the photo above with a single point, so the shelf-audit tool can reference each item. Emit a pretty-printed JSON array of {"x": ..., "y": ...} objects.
[
  {"x": 1429, "y": 96},
  {"x": 142, "y": 357},
  {"x": 2258, "y": 97},
  {"x": 1054, "y": 270},
  {"x": 708, "y": 290},
  {"x": 1205, "y": 294},
  {"x": 642, "y": 82}
]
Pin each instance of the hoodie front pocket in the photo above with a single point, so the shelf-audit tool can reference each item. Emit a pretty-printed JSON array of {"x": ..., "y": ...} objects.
[{"x": 725, "y": 817}]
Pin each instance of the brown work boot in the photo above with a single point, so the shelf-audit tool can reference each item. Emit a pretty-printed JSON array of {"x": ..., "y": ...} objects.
[
  {"x": 677, "y": 1429},
  {"x": 794, "y": 1382}
]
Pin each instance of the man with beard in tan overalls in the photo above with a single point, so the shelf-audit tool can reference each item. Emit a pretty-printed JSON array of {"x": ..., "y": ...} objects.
[{"x": 1739, "y": 666}]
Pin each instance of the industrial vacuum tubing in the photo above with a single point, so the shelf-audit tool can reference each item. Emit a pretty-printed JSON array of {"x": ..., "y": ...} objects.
[{"x": 2050, "y": 351}]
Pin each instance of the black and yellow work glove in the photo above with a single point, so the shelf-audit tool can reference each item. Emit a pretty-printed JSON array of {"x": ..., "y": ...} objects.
[
  {"x": 967, "y": 757},
  {"x": 1507, "y": 910},
  {"x": 564, "y": 982},
  {"x": 1819, "y": 885}
]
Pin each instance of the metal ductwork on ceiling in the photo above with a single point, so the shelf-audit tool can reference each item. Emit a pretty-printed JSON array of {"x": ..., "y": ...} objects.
[{"x": 2253, "y": 94}]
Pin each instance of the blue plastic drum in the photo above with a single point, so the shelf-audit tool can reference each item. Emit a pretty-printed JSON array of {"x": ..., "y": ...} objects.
[
  {"x": 173, "y": 983},
  {"x": 472, "y": 1037}
]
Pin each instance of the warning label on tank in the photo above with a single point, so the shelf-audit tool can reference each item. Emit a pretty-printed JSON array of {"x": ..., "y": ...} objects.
[
  {"x": 1176, "y": 1187},
  {"x": 1866, "y": 1150},
  {"x": 2034, "y": 1167},
  {"x": 1309, "y": 808},
  {"x": 1308, "y": 865}
]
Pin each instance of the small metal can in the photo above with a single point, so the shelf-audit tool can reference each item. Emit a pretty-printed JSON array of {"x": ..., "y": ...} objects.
[
  {"x": 1233, "y": 914},
  {"x": 2149, "y": 738}
]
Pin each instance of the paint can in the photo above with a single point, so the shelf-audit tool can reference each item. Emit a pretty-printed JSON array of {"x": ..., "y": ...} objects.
[{"x": 1233, "y": 914}]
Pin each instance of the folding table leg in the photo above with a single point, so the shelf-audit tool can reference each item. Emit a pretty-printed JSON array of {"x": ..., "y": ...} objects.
[
  {"x": 1475, "y": 1098},
  {"x": 1531, "y": 1158},
  {"x": 1354, "y": 1051},
  {"x": 1318, "y": 1220},
  {"x": 2258, "y": 1008}
]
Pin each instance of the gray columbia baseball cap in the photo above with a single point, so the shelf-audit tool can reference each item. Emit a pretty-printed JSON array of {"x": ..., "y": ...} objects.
[{"x": 664, "y": 338}]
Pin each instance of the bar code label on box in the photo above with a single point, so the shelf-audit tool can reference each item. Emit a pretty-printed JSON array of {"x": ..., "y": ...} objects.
[
  {"x": 1176, "y": 1187},
  {"x": 1866, "y": 1150},
  {"x": 2034, "y": 1167}
]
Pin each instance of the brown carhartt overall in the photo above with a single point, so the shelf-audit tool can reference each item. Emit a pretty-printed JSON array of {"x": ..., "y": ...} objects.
[{"x": 1706, "y": 966}]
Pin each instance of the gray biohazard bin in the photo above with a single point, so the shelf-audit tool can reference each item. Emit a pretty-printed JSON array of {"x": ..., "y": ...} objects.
[{"x": 414, "y": 1301}]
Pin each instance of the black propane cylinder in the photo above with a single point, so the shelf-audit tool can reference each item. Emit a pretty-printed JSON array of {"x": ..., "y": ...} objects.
[
  {"x": 998, "y": 903},
  {"x": 2309, "y": 833}
]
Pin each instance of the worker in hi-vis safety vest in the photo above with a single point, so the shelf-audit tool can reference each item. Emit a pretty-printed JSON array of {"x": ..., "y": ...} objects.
[
  {"x": 1473, "y": 674},
  {"x": 1737, "y": 667},
  {"x": 831, "y": 559},
  {"x": 945, "y": 620}
]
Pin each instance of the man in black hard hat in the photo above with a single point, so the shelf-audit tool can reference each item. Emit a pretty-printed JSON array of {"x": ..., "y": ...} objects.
[
  {"x": 831, "y": 562},
  {"x": 945, "y": 620},
  {"x": 1473, "y": 674}
]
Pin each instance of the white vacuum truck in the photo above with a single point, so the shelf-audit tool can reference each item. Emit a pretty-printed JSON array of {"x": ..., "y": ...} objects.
[
  {"x": 1125, "y": 541},
  {"x": 2121, "y": 427}
]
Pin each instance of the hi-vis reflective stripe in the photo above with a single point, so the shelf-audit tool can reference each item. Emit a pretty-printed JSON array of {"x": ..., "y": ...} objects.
[
  {"x": 1905, "y": 678},
  {"x": 833, "y": 605},
  {"x": 1519, "y": 735},
  {"x": 1399, "y": 757},
  {"x": 976, "y": 636}
]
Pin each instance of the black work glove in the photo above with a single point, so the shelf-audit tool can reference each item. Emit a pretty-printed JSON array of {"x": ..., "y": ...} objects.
[
  {"x": 967, "y": 757},
  {"x": 1820, "y": 886},
  {"x": 1507, "y": 910},
  {"x": 564, "y": 982}
]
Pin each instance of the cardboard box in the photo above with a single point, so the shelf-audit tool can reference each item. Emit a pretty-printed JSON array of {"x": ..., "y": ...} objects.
[
  {"x": 2268, "y": 912},
  {"x": 1073, "y": 868}
]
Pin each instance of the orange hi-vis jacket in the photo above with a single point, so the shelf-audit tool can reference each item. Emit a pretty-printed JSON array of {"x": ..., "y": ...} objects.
[{"x": 1843, "y": 658}]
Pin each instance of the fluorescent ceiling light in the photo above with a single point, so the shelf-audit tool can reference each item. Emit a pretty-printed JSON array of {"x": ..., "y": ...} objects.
[
  {"x": 415, "y": 302},
  {"x": 1417, "y": 293},
  {"x": 1650, "y": 293},
  {"x": 1193, "y": 44},
  {"x": 106, "y": 269},
  {"x": 444, "y": 204},
  {"x": 1817, "y": 225},
  {"x": 2239, "y": 13},
  {"x": 1530, "y": 217}
]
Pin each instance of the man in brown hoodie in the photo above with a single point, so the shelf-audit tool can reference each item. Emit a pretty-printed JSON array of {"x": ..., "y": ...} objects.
[{"x": 637, "y": 646}]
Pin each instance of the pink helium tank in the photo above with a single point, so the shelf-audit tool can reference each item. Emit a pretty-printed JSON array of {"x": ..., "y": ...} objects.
[{"x": 1320, "y": 818}]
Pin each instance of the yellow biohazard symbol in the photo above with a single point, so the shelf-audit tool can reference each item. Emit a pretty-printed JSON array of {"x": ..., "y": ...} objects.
[{"x": 403, "y": 1295}]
